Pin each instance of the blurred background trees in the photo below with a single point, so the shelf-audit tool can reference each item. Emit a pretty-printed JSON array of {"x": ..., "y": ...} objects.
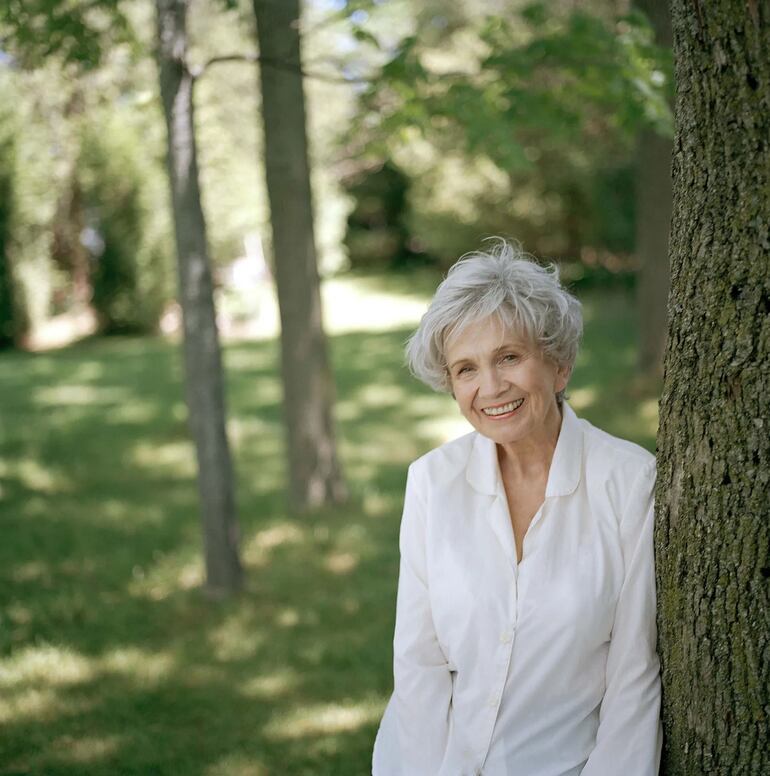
[
  {"x": 511, "y": 118},
  {"x": 430, "y": 125}
]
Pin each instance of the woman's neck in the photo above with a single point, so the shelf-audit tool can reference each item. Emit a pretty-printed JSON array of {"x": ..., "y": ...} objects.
[{"x": 531, "y": 457}]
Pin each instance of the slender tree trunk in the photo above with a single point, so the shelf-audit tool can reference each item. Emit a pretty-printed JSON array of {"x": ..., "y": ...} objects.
[
  {"x": 202, "y": 357},
  {"x": 66, "y": 249},
  {"x": 314, "y": 472},
  {"x": 8, "y": 323},
  {"x": 653, "y": 220},
  {"x": 713, "y": 493}
]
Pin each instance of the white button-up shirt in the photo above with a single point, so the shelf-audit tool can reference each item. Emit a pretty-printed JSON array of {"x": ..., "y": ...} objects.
[{"x": 545, "y": 667}]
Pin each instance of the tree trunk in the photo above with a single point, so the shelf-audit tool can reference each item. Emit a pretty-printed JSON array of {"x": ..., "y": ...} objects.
[
  {"x": 67, "y": 251},
  {"x": 713, "y": 491},
  {"x": 202, "y": 357},
  {"x": 653, "y": 219},
  {"x": 8, "y": 327},
  {"x": 314, "y": 472}
]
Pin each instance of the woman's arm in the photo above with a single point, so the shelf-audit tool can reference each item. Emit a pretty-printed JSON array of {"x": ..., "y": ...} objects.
[
  {"x": 422, "y": 681},
  {"x": 629, "y": 738}
]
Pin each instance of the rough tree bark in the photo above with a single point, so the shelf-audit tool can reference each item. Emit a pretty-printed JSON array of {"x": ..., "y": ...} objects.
[
  {"x": 713, "y": 492},
  {"x": 315, "y": 477},
  {"x": 204, "y": 382},
  {"x": 653, "y": 219}
]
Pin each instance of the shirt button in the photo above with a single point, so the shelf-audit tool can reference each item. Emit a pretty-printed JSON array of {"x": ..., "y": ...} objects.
[
  {"x": 506, "y": 637},
  {"x": 493, "y": 702}
]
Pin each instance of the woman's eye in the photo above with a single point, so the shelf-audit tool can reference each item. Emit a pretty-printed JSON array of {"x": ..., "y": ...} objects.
[
  {"x": 509, "y": 358},
  {"x": 463, "y": 370}
]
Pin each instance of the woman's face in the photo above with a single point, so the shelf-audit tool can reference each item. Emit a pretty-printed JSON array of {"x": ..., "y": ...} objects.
[{"x": 503, "y": 386}]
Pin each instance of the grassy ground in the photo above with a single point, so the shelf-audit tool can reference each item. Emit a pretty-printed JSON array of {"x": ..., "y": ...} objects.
[{"x": 111, "y": 661}]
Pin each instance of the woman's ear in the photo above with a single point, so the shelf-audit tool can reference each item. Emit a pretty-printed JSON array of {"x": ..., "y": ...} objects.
[{"x": 562, "y": 377}]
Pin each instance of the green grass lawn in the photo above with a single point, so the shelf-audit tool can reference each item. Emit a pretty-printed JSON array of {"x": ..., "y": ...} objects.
[{"x": 111, "y": 660}]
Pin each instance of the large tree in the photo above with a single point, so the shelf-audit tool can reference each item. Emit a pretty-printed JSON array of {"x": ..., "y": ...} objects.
[
  {"x": 204, "y": 380},
  {"x": 713, "y": 492},
  {"x": 314, "y": 472}
]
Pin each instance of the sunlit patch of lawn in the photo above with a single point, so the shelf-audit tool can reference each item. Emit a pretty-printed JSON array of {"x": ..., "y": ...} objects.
[{"x": 111, "y": 660}]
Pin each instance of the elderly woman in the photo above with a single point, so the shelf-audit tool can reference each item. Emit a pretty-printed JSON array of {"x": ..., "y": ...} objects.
[{"x": 525, "y": 621}]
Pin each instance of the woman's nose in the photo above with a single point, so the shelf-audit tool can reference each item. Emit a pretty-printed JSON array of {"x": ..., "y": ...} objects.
[{"x": 491, "y": 382}]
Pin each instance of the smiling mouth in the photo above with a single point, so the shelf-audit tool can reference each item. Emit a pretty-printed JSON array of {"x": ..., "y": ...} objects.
[{"x": 503, "y": 409}]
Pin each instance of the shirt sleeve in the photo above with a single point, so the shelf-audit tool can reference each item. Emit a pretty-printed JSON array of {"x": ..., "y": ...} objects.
[
  {"x": 629, "y": 736},
  {"x": 422, "y": 680}
]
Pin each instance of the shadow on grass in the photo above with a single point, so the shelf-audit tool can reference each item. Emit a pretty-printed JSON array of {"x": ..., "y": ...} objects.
[{"x": 112, "y": 661}]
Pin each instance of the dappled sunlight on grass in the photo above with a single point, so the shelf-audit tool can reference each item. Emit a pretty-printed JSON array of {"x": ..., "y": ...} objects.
[
  {"x": 244, "y": 358},
  {"x": 31, "y": 703},
  {"x": 237, "y": 765},
  {"x": 167, "y": 575},
  {"x": 256, "y": 549},
  {"x": 352, "y": 304},
  {"x": 33, "y": 681},
  {"x": 324, "y": 719},
  {"x": 33, "y": 571},
  {"x": 86, "y": 750},
  {"x": 287, "y": 618},
  {"x": 144, "y": 667},
  {"x": 444, "y": 428},
  {"x": 133, "y": 412},
  {"x": 270, "y": 686},
  {"x": 580, "y": 398},
  {"x": 341, "y": 562},
  {"x": 377, "y": 503},
  {"x": 79, "y": 394},
  {"x": 235, "y": 639},
  {"x": 34, "y": 476},
  {"x": 648, "y": 411},
  {"x": 176, "y": 458},
  {"x": 377, "y": 396},
  {"x": 48, "y": 664}
]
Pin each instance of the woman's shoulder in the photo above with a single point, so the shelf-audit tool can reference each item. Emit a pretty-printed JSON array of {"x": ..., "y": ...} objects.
[{"x": 618, "y": 471}]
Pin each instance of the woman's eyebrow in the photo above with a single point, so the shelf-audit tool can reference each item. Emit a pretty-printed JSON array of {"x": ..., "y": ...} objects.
[{"x": 510, "y": 346}]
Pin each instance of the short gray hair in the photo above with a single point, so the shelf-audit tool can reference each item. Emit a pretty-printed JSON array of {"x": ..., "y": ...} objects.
[{"x": 527, "y": 298}]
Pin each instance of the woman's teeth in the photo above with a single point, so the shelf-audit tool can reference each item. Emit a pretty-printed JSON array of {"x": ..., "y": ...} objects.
[{"x": 510, "y": 407}]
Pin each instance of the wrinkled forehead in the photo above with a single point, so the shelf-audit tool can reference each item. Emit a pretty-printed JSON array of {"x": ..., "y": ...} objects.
[{"x": 498, "y": 329}]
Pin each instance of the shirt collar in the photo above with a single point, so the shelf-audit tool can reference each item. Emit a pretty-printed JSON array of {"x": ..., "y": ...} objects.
[{"x": 483, "y": 471}]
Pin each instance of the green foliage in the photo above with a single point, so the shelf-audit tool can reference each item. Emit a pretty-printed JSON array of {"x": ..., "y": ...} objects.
[
  {"x": 520, "y": 124},
  {"x": 129, "y": 248},
  {"x": 76, "y": 31},
  {"x": 377, "y": 233},
  {"x": 35, "y": 169},
  {"x": 568, "y": 76}
]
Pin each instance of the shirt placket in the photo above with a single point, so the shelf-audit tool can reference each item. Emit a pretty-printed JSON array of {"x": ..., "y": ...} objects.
[{"x": 507, "y": 637}]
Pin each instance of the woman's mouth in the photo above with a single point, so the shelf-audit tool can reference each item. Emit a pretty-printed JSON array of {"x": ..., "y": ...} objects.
[{"x": 503, "y": 409}]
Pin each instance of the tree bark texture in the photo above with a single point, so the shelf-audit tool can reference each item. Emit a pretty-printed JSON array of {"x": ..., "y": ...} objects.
[
  {"x": 653, "y": 219},
  {"x": 315, "y": 476},
  {"x": 712, "y": 534},
  {"x": 204, "y": 381}
]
